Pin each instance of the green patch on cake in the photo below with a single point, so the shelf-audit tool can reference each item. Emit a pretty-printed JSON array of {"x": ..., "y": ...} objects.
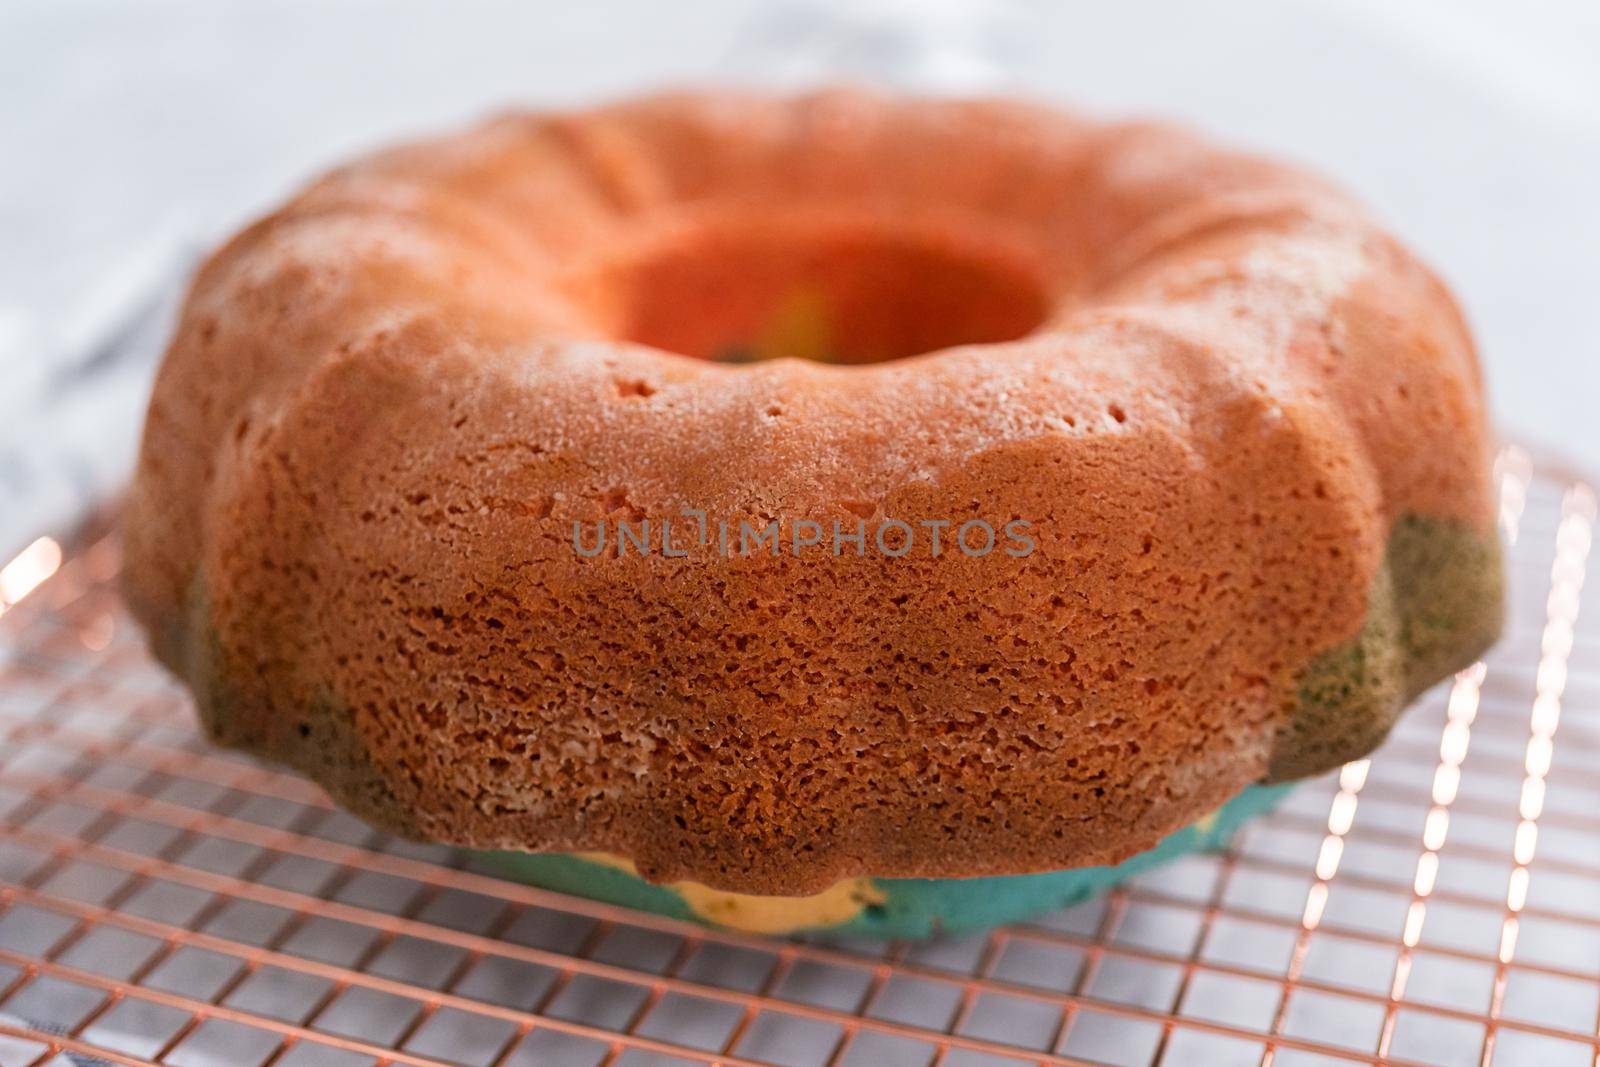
[
  {"x": 327, "y": 748},
  {"x": 1436, "y": 605},
  {"x": 321, "y": 742}
]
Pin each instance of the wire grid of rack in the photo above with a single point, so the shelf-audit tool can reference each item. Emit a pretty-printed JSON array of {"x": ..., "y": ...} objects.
[{"x": 165, "y": 902}]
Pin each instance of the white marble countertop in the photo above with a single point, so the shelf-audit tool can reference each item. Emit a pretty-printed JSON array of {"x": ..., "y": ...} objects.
[{"x": 132, "y": 132}]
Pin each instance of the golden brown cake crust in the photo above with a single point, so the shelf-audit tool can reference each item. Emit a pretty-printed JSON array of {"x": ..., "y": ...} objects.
[{"x": 387, "y": 404}]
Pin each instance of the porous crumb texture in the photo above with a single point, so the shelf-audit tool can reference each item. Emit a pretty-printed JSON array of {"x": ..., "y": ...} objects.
[{"x": 1246, "y": 426}]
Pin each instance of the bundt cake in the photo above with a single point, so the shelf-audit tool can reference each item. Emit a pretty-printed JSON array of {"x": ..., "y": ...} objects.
[{"x": 776, "y": 509}]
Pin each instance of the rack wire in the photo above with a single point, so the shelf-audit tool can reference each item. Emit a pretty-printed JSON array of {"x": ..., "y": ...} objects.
[{"x": 162, "y": 902}]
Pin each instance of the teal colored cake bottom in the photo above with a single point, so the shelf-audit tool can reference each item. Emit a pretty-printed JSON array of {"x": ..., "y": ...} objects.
[{"x": 878, "y": 907}]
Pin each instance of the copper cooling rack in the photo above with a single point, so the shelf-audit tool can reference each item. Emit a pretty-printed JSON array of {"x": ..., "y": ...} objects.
[{"x": 162, "y": 902}]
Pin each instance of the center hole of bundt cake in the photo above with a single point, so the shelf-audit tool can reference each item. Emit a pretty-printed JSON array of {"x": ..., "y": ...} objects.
[{"x": 831, "y": 294}]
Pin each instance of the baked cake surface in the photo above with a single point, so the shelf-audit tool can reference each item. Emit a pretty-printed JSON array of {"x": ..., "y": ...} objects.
[{"x": 1244, "y": 427}]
